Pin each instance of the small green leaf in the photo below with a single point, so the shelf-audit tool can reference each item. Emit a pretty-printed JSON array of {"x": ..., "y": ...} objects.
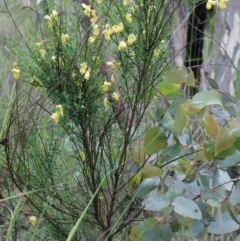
[
  {"x": 168, "y": 122},
  {"x": 189, "y": 109},
  {"x": 154, "y": 140},
  {"x": 197, "y": 229},
  {"x": 158, "y": 233},
  {"x": 178, "y": 76},
  {"x": 224, "y": 224},
  {"x": 167, "y": 88},
  {"x": 230, "y": 161},
  {"x": 187, "y": 208},
  {"x": 146, "y": 186},
  {"x": 191, "y": 80},
  {"x": 210, "y": 125},
  {"x": 224, "y": 140},
  {"x": 170, "y": 152},
  {"x": 180, "y": 122},
  {"x": 213, "y": 83},
  {"x": 151, "y": 171},
  {"x": 155, "y": 202},
  {"x": 235, "y": 197},
  {"x": 206, "y": 98},
  {"x": 234, "y": 127}
]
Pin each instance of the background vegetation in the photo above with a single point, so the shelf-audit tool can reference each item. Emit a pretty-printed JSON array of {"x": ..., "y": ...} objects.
[{"x": 99, "y": 138}]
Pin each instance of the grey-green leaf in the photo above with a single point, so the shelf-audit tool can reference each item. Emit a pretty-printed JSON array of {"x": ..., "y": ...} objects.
[
  {"x": 146, "y": 186},
  {"x": 155, "y": 202},
  {"x": 207, "y": 98},
  {"x": 187, "y": 208},
  {"x": 224, "y": 224}
]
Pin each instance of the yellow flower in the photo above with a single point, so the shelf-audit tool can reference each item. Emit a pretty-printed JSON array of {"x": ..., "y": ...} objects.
[
  {"x": 156, "y": 53},
  {"x": 16, "y": 73},
  {"x": 208, "y": 6},
  {"x": 94, "y": 19},
  {"x": 33, "y": 221},
  {"x": 126, "y": 2},
  {"x": 35, "y": 81},
  {"x": 59, "y": 109},
  {"x": 106, "y": 87},
  {"x": 92, "y": 39},
  {"x": 85, "y": 71},
  {"x": 56, "y": 115},
  {"x": 51, "y": 18},
  {"x": 64, "y": 39},
  {"x": 83, "y": 68},
  {"x": 131, "y": 39},
  {"x": 42, "y": 52},
  {"x": 39, "y": 43},
  {"x": 128, "y": 17},
  {"x": 87, "y": 74},
  {"x": 89, "y": 12},
  {"x": 107, "y": 34},
  {"x": 96, "y": 30},
  {"x": 118, "y": 28},
  {"x": 222, "y": 4},
  {"x": 54, "y": 14},
  {"x": 105, "y": 102},
  {"x": 116, "y": 97},
  {"x": 122, "y": 46}
]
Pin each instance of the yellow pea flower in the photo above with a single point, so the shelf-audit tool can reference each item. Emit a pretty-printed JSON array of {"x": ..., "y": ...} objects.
[
  {"x": 106, "y": 87},
  {"x": 39, "y": 43},
  {"x": 42, "y": 52},
  {"x": 118, "y": 28},
  {"x": 64, "y": 39},
  {"x": 122, "y": 46},
  {"x": 92, "y": 39},
  {"x": 33, "y": 221},
  {"x": 87, "y": 74},
  {"x": 222, "y": 4},
  {"x": 50, "y": 18},
  {"x": 106, "y": 102},
  {"x": 16, "y": 73},
  {"x": 131, "y": 39},
  {"x": 96, "y": 30},
  {"x": 128, "y": 17},
  {"x": 56, "y": 115},
  {"x": 107, "y": 34},
  {"x": 126, "y": 2},
  {"x": 116, "y": 97},
  {"x": 156, "y": 53},
  {"x": 59, "y": 109},
  {"x": 83, "y": 68}
]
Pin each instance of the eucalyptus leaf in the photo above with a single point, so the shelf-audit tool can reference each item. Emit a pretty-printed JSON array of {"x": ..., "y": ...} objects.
[
  {"x": 170, "y": 152},
  {"x": 206, "y": 98},
  {"x": 197, "y": 228},
  {"x": 187, "y": 208},
  {"x": 235, "y": 197},
  {"x": 154, "y": 140},
  {"x": 213, "y": 83},
  {"x": 178, "y": 76},
  {"x": 146, "y": 186},
  {"x": 224, "y": 140},
  {"x": 155, "y": 202},
  {"x": 224, "y": 224},
  {"x": 229, "y": 161},
  {"x": 168, "y": 122}
]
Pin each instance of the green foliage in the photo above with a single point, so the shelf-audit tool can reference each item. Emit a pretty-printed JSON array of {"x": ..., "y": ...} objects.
[{"x": 129, "y": 156}]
